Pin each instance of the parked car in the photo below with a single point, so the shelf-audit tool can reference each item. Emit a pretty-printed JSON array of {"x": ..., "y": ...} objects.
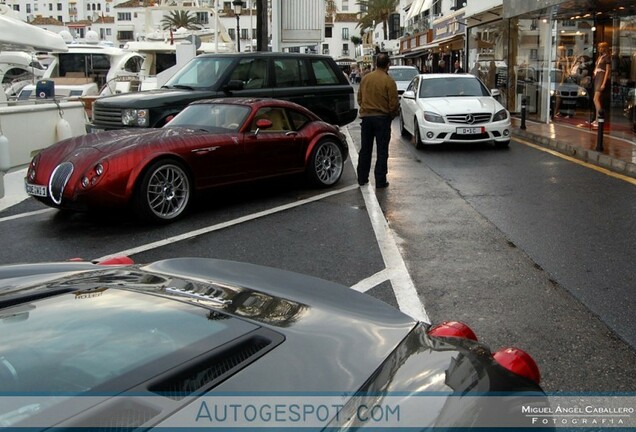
[
  {"x": 458, "y": 108},
  {"x": 210, "y": 143},
  {"x": 175, "y": 343},
  {"x": 313, "y": 81},
  {"x": 403, "y": 76},
  {"x": 564, "y": 91}
]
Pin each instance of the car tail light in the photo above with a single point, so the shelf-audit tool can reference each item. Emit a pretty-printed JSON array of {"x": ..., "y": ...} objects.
[
  {"x": 452, "y": 329},
  {"x": 122, "y": 260},
  {"x": 519, "y": 362}
]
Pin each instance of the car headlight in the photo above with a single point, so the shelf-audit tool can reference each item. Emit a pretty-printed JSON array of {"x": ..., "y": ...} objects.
[
  {"x": 500, "y": 115},
  {"x": 433, "y": 117},
  {"x": 94, "y": 174},
  {"x": 582, "y": 92},
  {"x": 135, "y": 117}
]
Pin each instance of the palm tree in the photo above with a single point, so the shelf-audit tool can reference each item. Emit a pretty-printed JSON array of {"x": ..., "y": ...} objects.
[
  {"x": 378, "y": 11},
  {"x": 178, "y": 19}
]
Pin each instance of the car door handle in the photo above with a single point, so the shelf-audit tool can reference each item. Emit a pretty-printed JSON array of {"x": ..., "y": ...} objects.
[
  {"x": 291, "y": 133},
  {"x": 205, "y": 150}
]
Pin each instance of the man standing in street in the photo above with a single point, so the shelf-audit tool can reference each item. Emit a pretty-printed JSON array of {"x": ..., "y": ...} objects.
[{"x": 378, "y": 102}]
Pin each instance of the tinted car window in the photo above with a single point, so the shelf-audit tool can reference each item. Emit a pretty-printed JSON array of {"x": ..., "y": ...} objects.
[
  {"x": 201, "y": 72},
  {"x": 253, "y": 73},
  {"x": 324, "y": 74},
  {"x": 298, "y": 120},
  {"x": 291, "y": 73}
]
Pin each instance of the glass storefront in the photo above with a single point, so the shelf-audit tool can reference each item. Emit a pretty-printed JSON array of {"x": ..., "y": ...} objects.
[
  {"x": 487, "y": 47},
  {"x": 568, "y": 62}
]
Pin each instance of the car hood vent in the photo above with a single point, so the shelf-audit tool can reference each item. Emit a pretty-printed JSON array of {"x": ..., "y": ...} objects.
[{"x": 202, "y": 375}]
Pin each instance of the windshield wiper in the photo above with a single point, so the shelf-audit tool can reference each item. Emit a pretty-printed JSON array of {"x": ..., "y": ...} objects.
[{"x": 181, "y": 86}]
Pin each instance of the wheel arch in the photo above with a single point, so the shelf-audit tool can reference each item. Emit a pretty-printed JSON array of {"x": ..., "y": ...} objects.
[
  {"x": 138, "y": 172},
  {"x": 312, "y": 145}
]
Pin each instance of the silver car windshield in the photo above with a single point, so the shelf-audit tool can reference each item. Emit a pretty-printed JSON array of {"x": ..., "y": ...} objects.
[{"x": 200, "y": 73}]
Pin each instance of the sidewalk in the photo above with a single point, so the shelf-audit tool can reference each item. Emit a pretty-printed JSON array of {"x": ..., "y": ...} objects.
[{"x": 618, "y": 155}]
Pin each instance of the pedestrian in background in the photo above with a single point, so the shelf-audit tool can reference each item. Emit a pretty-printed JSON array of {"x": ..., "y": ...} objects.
[
  {"x": 378, "y": 102},
  {"x": 457, "y": 67}
]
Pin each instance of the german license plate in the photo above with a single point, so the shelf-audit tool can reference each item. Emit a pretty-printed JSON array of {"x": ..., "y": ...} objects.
[
  {"x": 35, "y": 190},
  {"x": 469, "y": 130},
  {"x": 95, "y": 130}
]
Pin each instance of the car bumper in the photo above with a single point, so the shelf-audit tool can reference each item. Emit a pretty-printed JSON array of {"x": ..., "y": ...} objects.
[{"x": 440, "y": 133}]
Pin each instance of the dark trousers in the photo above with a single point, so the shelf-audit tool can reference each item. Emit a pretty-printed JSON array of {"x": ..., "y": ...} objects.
[{"x": 378, "y": 128}]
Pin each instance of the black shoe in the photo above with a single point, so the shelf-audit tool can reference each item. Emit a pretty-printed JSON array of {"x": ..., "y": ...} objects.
[
  {"x": 382, "y": 185},
  {"x": 362, "y": 183}
]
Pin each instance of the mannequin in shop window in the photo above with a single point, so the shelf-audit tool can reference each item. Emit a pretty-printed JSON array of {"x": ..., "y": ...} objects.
[
  {"x": 602, "y": 73},
  {"x": 563, "y": 69}
]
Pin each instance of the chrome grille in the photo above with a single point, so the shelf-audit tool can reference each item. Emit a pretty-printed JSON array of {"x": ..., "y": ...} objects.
[
  {"x": 107, "y": 116},
  {"x": 469, "y": 119},
  {"x": 58, "y": 181}
]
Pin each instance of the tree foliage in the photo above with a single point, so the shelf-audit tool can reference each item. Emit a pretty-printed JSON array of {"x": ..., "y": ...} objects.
[
  {"x": 177, "y": 19},
  {"x": 377, "y": 11}
]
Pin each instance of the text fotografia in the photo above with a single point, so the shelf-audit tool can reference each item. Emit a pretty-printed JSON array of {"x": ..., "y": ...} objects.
[
  {"x": 578, "y": 415},
  {"x": 238, "y": 413}
]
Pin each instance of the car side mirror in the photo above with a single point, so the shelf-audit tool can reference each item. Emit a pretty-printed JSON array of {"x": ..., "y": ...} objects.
[
  {"x": 233, "y": 85},
  {"x": 495, "y": 92},
  {"x": 263, "y": 124},
  {"x": 409, "y": 94}
]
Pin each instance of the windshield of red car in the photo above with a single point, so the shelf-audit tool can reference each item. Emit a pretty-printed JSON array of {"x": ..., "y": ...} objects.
[{"x": 213, "y": 117}]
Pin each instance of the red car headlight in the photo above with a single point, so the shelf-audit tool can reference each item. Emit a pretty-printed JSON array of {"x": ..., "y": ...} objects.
[
  {"x": 93, "y": 175},
  {"x": 31, "y": 172}
]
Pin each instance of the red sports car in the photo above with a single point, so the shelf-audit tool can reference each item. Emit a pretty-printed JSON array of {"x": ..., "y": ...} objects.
[{"x": 210, "y": 143}]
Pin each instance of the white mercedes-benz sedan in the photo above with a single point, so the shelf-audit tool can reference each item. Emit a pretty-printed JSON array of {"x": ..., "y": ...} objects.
[{"x": 453, "y": 108}]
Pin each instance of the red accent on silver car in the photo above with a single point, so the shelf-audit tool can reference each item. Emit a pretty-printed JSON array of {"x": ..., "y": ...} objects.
[
  {"x": 452, "y": 329},
  {"x": 519, "y": 362}
]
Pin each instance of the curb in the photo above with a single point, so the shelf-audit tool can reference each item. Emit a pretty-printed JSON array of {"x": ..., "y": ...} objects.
[{"x": 590, "y": 156}]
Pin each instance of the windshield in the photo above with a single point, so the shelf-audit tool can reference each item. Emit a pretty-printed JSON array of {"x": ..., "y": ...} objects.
[
  {"x": 212, "y": 117},
  {"x": 200, "y": 73},
  {"x": 452, "y": 87},
  {"x": 403, "y": 74}
]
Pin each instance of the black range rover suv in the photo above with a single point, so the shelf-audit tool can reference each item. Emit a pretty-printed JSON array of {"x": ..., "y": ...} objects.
[{"x": 314, "y": 81}]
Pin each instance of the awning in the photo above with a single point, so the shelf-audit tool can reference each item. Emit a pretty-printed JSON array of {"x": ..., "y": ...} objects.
[
  {"x": 455, "y": 42},
  {"x": 417, "y": 7},
  {"x": 418, "y": 53}
]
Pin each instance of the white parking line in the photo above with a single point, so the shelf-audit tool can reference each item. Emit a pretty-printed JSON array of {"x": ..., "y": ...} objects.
[
  {"x": 396, "y": 271},
  {"x": 191, "y": 234},
  {"x": 22, "y": 215}
]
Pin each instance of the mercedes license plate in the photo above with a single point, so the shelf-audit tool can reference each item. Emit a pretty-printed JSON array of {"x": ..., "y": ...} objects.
[
  {"x": 35, "y": 190},
  {"x": 469, "y": 130}
]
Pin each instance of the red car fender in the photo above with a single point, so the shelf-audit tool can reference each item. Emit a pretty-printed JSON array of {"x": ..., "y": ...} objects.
[
  {"x": 143, "y": 164},
  {"x": 316, "y": 140}
]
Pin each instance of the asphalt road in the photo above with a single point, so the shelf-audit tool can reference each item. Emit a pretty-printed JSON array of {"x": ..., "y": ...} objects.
[{"x": 507, "y": 241}]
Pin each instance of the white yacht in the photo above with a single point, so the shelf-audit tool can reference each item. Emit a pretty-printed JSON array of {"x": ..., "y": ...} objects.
[
  {"x": 90, "y": 68},
  {"x": 26, "y": 127}
]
